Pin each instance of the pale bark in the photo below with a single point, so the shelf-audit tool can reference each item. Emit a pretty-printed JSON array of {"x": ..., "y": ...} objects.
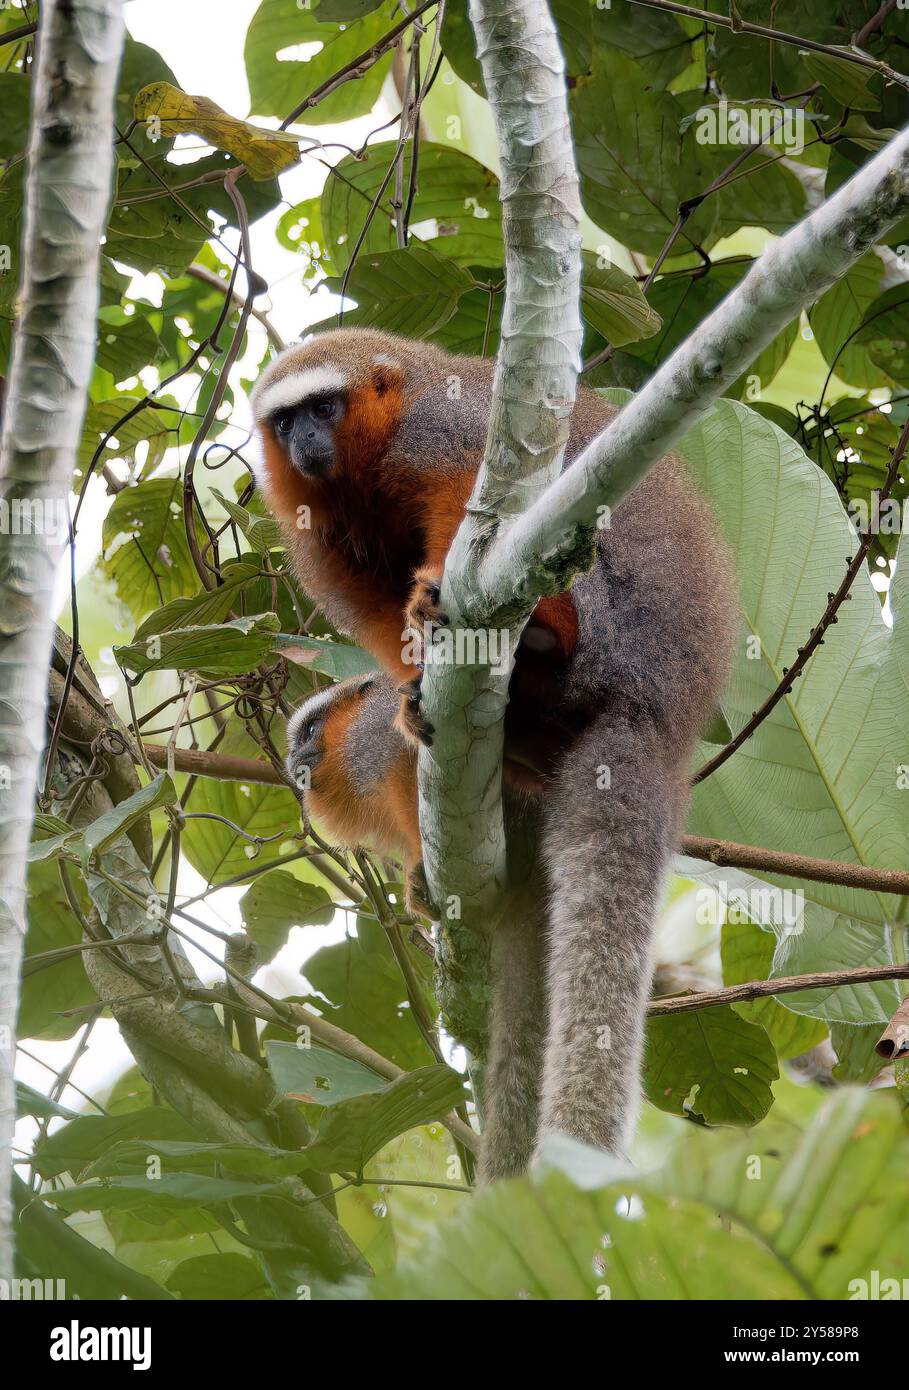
[
  {"x": 529, "y": 532},
  {"x": 70, "y": 161},
  {"x": 536, "y": 372}
]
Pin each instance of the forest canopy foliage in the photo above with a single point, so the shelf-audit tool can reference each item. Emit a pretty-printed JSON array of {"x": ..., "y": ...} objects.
[{"x": 696, "y": 144}]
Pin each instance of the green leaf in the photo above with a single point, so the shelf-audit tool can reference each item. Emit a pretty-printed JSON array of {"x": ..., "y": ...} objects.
[
  {"x": 277, "y": 902},
  {"x": 218, "y": 852},
  {"x": 318, "y": 1076},
  {"x": 635, "y": 166},
  {"x": 336, "y": 659},
  {"x": 206, "y": 607},
  {"x": 126, "y": 343},
  {"x": 46, "y": 1242},
  {"x": 153, "y": 229},
  {"x": 263, "y": 533},
  {"x": 613, "y": 304},
  {"x": 885, "y": 337},
  {"x": 15, "y": 103},
  {"x": 846, "y": 82},
  {"x": 747, "y": 954},
  {"x": 31, "y": 1102},
  {"x": 276, "y": 85},
  {"x": 156, "y": 1198},
  {"x": 131, "y": 1156},
  {"x": 456, "y": 209},
  {"x": 49, "y": 993},
  {"x": 822, "y": 771},
  {"x": 412, "y": 292},
  {"x": 145, "y": 548},
  {"x": 654, "y": 44},
  {"x": 76, "y": 1146},
  {"x": 775, "y": 1213},
  {"x": 103, "y": 832},
  {"x": 839, "y": 313},
  {"x": 227, "y": 1275},
  {"x": 857, "y": 1060},
  {"x": 104, "y": 417},
  {"x": 218, "y": 649},
  {"x": 710, "y": 1064},
  {"x": 351, "y": 1131},
  {"x": 362, "y": 984}
]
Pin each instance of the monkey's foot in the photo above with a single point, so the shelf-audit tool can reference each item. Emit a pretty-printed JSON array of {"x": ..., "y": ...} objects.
[{"x": 411, "y": 720}]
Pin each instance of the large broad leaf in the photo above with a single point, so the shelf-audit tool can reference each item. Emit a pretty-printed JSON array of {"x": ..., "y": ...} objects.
[
  {"x": 317, "y": 1076},
  {"x": 279, "y": 79},
  {"x": 228, "y": 1275},
  {"x": 412, "y": 292},
  {"x": 50, "y": 994},
  {"x": 220, "y": 852},
  {"x": 145, "y": 549},
  {"x": 126, "y": 343},
  {"x": 747, "y": 954},
  {"x": 773, "y": 1213},
  {"x": 358, "y": 986},
  {"x": 351, "y": 1131},
  {"x": 839, "y": 314},
  {"x": 15, "y": 100},
  {"x": 275, "y": 903},
  {"x": 31, "y": 1102},
  {"x": 77, "y": 1145},
  {"x": 100, "y": 833},
  {"x": 152, "y": 229},
  {"x": 653, "y": 42},
  {"x": 710, "y": 1064},
  {"x": 821, "y": 775},
  {"x": 104, "y": 418},
  {"x": 204, "y": 608},
  {"x": 612, "y": 303},
  {"x": 158, "y": 1198},
  {"x": 336, "y": 659},
  {"x": 218, "y": 649},
  {"x": 456, "y": 208},
  {"x": 634, "y": 164}
]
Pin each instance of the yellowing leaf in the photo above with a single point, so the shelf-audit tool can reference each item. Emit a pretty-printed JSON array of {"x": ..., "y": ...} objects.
[{"x": 264, "y": 152}]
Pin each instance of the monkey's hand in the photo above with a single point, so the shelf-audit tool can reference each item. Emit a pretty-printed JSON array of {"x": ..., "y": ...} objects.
[
  {"x": 411, "y": 721},
  {"x": 421, "y": 616},
  {"x": 416, "y": 893},
  {"x": 423, "y": 611}
]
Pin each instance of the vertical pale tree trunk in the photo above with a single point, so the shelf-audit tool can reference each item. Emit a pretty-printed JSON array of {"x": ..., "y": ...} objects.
[{"x": 70, "y": 161}]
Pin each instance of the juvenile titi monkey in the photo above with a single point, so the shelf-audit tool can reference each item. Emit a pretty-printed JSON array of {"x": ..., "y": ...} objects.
[{"x": 371, "y": 445}]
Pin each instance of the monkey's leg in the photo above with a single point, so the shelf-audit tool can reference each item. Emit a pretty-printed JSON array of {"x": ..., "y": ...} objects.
[
  {"x": 517, "y": 1030},
  {"x": 609, "y": 826}
]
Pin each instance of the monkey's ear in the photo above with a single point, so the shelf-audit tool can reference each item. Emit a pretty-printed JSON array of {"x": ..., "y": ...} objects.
[{"x": 387, "y": 374}]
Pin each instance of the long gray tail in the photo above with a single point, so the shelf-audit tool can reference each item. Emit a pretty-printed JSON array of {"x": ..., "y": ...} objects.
[
  {"x": 610, "y": 823},
  {"x": 517, "y": 1032}
]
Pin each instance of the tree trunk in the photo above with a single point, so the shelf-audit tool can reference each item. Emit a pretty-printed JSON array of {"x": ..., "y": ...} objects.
[{"x": 70, "y": 160}]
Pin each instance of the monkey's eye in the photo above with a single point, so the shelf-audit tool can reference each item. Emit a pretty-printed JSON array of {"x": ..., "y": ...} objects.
[
  {"x": 310, "y": 731},
  {"x": 323, "y": 410},
  {"x": 283, "y": 422}
]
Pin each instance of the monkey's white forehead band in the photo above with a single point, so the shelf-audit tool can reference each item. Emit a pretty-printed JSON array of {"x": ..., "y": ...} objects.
[
  {"x": 295, "y": 387},
  {"x": 309, "y": 709}
]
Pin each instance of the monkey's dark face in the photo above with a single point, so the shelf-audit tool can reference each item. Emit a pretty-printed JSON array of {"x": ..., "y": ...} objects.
[
  {"x": 307, "y": 432},
  {"x": 306, "y": 743}
]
